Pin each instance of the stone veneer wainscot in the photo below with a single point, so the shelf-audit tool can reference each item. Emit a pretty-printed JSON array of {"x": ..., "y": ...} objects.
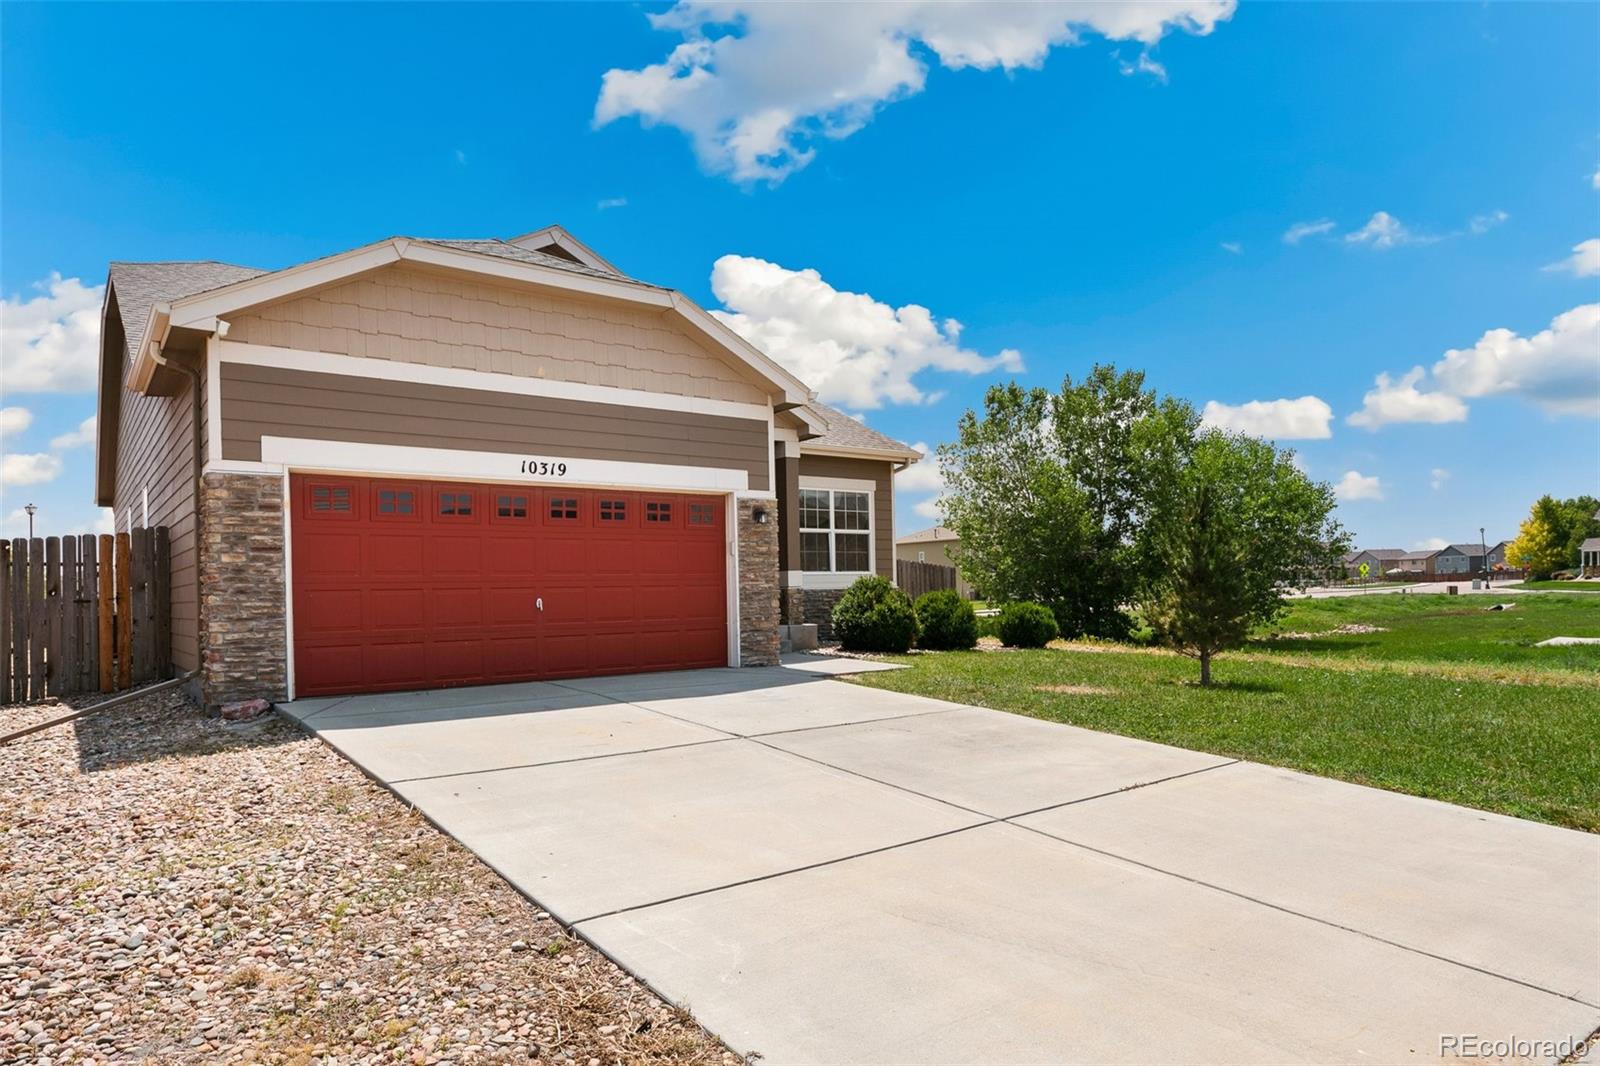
[
  {"x": 758, "y": 584},
  {"x": 243, "y": 635}
]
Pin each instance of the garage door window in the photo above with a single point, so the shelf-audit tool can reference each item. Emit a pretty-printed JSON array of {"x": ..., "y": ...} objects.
[
  {"x": 613, "y": 511},
  {"x": 510, "y": 507},
  {"x": 331, "y": 501},
  {"x": 562, "y": 509},
  {"x": 658, "y": 512},
  {"x": 702, "y": 514},
  {"x": 395, "y": 503},
  {"x": 455, "y": 505},
  {"x": 835, "y": 531}
]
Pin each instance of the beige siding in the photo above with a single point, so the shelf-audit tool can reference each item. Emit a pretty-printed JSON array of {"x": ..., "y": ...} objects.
[
  {"x": 413, "y": 315},
  {"x": 155, "y": 451},
  {"x": 879, "y": 471},
  {"x": 266, "y": 401},
  {"x": 934, "y": 551}
]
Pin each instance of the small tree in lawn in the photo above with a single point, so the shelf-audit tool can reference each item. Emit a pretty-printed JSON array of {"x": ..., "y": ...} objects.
[{"x": 1234, "y": 525}]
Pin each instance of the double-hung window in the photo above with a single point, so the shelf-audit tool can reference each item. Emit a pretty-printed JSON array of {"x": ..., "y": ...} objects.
[{"x": 835, "y": 531}]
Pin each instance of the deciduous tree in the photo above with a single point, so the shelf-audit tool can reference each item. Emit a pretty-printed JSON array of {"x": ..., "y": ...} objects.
[
  {"x": 1231, "y": 527},
  {"x": 1049, "y": 493}
]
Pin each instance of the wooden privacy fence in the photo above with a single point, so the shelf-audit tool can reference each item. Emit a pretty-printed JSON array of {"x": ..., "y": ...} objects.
[
  {"x": 84, "y": 614},
  {"x": 916, "y": 578}
]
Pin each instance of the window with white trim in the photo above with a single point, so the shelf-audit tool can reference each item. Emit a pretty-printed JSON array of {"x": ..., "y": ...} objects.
[{"x": 835, "y": 531}]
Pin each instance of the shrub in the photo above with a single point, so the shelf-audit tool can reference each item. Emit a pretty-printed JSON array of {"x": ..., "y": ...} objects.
[
  {"x": 873, "y": 615},
  {"x": 1027, "y": 625},
  {"x": 948, "y": 621}
]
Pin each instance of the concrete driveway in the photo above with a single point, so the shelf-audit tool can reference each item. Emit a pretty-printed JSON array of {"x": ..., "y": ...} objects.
[{"x": 834, "y": 874}]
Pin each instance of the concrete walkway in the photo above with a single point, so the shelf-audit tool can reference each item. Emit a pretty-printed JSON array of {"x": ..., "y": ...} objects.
[{"x": 828, "y": 873}]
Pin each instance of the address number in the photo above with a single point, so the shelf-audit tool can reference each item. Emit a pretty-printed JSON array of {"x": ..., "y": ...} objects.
[{"x": 544, "y": 468}]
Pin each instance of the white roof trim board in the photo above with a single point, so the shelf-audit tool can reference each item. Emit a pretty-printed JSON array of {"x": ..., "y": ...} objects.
[{"x": 558, "y": 236}]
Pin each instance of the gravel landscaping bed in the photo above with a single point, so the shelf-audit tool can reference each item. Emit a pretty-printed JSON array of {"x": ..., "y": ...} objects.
[{"x": 180, "y": 889}]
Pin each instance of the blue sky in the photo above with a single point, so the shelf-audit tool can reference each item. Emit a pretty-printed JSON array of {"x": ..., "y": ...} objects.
[{"x": 1119, "y": 191}]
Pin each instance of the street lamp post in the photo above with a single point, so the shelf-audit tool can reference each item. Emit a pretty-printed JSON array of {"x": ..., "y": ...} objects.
[
  {"x": 1483, "y": 546},
  {"x": 30, "y": 508}
]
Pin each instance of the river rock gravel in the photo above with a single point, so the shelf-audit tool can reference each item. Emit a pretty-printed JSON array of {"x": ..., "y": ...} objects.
[{"x": 177, "y": 888}]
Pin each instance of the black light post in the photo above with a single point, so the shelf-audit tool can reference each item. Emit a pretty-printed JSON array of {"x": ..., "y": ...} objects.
[
  {"x": 1483, "y": 546},
  {"x": 30, "y": 508}
]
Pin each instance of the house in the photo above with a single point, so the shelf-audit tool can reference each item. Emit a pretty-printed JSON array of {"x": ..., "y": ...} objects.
[
  {"x": 928, "y": 546},
  {"x": 1589, "y": 556},
  {"x": 1379, "y": 561},
  {"x": 1414, "y": 564},
  {"x": 424, "y": 463},
  {"x": 1468, "y": 558}
]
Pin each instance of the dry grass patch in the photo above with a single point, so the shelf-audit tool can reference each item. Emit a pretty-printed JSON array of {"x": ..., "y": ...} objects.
[{"x": 1074, "y": 690}]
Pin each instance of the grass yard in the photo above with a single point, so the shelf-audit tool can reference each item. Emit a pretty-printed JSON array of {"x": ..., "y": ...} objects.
[
  {"x": 1451, "y": 701},
  {"x": 1563, "y": 586}
]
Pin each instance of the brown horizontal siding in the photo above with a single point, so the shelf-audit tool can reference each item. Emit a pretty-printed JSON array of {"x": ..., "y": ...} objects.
[
  {"x": 407, "y": 314},
  {"x": 269, "y": 402},
  {"x": 879, "y": 472},
  {"x": 155, "y": 453}
]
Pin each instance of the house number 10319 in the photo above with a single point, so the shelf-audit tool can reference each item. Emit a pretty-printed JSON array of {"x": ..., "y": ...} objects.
[{"x": 544, "y": 468}]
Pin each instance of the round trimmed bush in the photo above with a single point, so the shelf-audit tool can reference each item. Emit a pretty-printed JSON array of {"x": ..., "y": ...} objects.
[
  {"x": 1027, "y": 625},
  {"x": 873, "y": 615},
  {"x": 947, "y": 620}
]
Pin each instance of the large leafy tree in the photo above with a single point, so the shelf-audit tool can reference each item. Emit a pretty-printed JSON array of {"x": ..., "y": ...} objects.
[
  {"x": 1549, "y": 537},
  {"x": 1049, "y": 493},
  {"x": 1232, "y": 526}
]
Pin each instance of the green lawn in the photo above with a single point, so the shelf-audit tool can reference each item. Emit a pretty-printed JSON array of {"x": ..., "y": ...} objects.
[
  {"x": 1452, "y": 702},
  {"x": 1567, "y": 586}
]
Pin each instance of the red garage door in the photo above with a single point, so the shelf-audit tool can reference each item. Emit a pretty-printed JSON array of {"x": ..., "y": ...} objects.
[{"x": 423, "y": 584}]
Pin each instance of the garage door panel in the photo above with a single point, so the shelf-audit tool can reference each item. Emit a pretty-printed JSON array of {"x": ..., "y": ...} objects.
[
  {"x": 456, "y": 608},
  {"x": 510, "y": 556},
  {"x": 393, "y": 554},
  {"x": 330, "y": 610},
  {"x": 455, "y": 661},
  {"x": 401, "y": 664},
  {"x": 336, "y": 553},
  {"x": 413, "y": 596}
]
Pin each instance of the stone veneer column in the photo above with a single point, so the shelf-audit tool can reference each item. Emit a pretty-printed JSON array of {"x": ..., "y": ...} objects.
[
  {"x": 758, "y": 584},
  {"x": 243, "y": 608}
]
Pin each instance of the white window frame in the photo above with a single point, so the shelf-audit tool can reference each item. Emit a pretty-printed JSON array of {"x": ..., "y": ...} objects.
[{"x": 822, "y": 579}]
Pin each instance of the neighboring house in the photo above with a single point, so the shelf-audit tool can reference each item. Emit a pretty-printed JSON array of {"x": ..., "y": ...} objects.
[
  {"x": 1468, "y": 558},
  {"x": 1589, "y": 556},
  {"x": 928, "y": 546},
  {"x": 441, "y": 462},
  {"x": 1379, "y": 561},
  {"x": 1418, "y": 563}
]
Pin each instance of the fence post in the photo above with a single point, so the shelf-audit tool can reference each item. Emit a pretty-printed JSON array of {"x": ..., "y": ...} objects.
[
  {"x": 90, "y": 602},
  {"x": 6, "y": 671},
  {"x": 38, "y": 620},
  {"x": 106, "y": 623},
  {"x": 162, "y": 600},
  {"x": 67, "y": 649},
  {"x": 124, "y": 625},
  {"x": 20, "y": 631}
]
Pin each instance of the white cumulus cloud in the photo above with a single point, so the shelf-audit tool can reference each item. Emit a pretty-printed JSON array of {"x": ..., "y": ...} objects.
[
  {"x": 855, "y": 351},
  {"x": 78, "y": 438},
  {"x": 1584, "y": 262},
  {"x": 14, "y": 420},
  {"x": 922, "y": 476},
  {"x": 1301, "y": 230},
  {"x": 1557, "y": 368},
  {"x": 1383, "y": 230},
  {"x": 1438, "y": 476},
  {"x": 929, "y": 509},
  {"x": 1357, "y": 486},
  {"x": 18, "y": 468},
  {"x": 757, "y": 85},
  {"x": 50, "y": 342},
  {"x": 1400, "y": 400},
  {"x": 1429, "y": 544},
  {"x": 1304, "y": 419}
]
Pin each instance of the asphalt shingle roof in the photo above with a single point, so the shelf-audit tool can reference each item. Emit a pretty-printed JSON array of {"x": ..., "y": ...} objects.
[
  {"x": 140, "y": 286},
  {"x": 507, "y": 250},
  {"x": 842, "y": 431}
]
